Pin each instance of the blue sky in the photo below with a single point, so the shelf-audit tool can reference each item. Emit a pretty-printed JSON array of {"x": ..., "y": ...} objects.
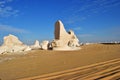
[{"x": 92, "y": 20}]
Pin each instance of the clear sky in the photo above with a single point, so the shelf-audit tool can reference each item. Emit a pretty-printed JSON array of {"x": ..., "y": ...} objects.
[{"x": 92, "y": 20}]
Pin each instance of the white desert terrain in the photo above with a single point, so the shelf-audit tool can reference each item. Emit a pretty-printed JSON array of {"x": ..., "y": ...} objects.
[
  {"x": 61, "y": 59},
  {"x": 95, "y": 61}
]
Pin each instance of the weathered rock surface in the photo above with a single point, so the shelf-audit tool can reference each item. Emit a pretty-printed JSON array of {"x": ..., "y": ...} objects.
[
  {"x": 44, "y": 45},
  {"x": 64, "y": 39},
  {"x": 36, "y": 45},
  {"x": 12, "y": 44},
  {"x": 27, "y": 49},
  {"x": 11, "y": 40}
]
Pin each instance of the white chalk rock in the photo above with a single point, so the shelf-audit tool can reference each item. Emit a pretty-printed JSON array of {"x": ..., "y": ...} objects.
[
  {"x": 12, "y": 44},
  {"x": 27, "y": 49},
  {"x": 44, "y": 45},
  {"x": 2, "y": 49},
  {"x": 36, "y": 45},
  {"x": 66, "y": 48},
  {"x": 63, "y": 39},
  {"x": 11, "y": 40},
  {"x": 87, "y": 43}
]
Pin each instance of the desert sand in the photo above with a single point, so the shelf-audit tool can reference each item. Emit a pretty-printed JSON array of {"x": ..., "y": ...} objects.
[{"x": 94, "y": 61}]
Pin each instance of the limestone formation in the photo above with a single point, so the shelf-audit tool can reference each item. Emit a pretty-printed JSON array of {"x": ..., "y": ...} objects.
[
  {"x": 64, "y": 39},
  {"x": 36, "y": 45},
  {"x": 11, "y": 40},
  {"x": 27, "y": 49},
  {"x": 12, "y": 44},
  {"x": 44, "y": 45}
]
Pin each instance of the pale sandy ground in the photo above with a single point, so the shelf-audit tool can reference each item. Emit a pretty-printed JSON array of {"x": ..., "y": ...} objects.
[{"x": 40, "y": 62}]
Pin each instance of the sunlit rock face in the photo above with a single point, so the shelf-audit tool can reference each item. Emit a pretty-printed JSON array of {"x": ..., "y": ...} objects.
[
  {"x": 36, "y": 45},
  {"x": 27, "y": 48},
  {"x": 12, "y": 44},
  {"x": 44, "y": 45},
  {"x": 11, "y": 40},
  {"x": 63, "y": 39}
]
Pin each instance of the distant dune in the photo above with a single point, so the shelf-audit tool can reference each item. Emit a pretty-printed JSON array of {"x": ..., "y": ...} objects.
[{"x": 94, "y": 61}]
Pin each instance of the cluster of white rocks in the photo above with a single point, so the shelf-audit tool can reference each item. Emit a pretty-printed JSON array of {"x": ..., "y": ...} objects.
[
  {"x": 63, "y": 41},
  {"x": 12, "y": 44}
]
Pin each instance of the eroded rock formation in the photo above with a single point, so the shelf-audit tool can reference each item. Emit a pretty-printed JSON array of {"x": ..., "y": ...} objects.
[
  {"x": 11, "y": 40},
  {"x": 44, "y": 45},
  {"x": 64, "y": 39},
  {"x": 36, "y": 45},
  {"x": 12, "y": 44}
]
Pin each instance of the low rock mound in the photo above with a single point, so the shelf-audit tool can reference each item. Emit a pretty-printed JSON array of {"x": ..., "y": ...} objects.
[
  {"x": 12, "y": 44},
  {"x": 36, "y": 45}
]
